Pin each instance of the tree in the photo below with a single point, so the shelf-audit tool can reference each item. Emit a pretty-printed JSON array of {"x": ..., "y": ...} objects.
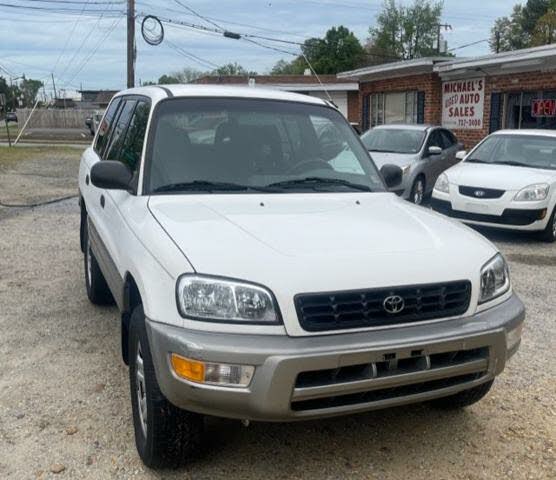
[
  {"x": 232, "y": 69},
  {"x": 529, "y": 25},
  {"x": 406, "y": 32},
  {"x": 545, "y": 29},
  {"x": 508, "y": 34},
  {"x": 338, "y": 51},
  {"x": 532, "y": 13},
  {"x": 29, "y": 89}
]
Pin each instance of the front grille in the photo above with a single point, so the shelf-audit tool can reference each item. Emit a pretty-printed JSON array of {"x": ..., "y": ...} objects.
[
  {"x": 384, "y": 393},
  {"x": 483, "y": 193},
  {"x": 510, "y": 216},
  {"x": 417, "y": 362},
  {"x": 365, "y": 308}
]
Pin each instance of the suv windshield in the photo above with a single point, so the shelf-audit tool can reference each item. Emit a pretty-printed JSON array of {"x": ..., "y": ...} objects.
[
  {"x": 232, "y": 145},
  {"x": 517, "y": 150},
  {"x": 393, "y": 140}
]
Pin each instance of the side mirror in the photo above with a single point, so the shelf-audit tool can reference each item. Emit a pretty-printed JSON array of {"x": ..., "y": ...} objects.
[
  {"x": 111, "y": 175},
  {"x": 461, "y": 155},
  {"x": 392, "y": 175},
  {"x": 435, "y": 150}
]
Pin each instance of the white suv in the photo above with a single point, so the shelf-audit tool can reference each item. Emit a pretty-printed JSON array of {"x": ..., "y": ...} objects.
[{"x": 265, "y": 273}]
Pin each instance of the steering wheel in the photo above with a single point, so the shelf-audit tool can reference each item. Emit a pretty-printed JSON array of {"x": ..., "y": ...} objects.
[{"x": 309, "y": 165}]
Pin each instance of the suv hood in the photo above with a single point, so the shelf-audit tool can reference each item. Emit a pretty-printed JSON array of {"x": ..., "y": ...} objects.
[
  {"x": 298, "y": 243},
  {"x": 502, "y": 177}
]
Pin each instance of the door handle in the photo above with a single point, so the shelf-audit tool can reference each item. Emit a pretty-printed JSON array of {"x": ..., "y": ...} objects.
[{"x": 102, "y": 201}]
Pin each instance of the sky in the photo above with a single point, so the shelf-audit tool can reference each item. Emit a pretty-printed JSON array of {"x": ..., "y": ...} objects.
[{"x": 84, "y": 45}]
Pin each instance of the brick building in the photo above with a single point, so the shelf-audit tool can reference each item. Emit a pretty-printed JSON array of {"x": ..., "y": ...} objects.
[
  {"x": 343, "y": 92},
  {"x": 471, "y": 96}
]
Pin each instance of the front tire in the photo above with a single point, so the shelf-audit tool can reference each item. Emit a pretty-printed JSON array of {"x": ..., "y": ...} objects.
[
  {"x": 463, "y": 399},
  {"x": 417, "y": 194},
  {"x": 549, "y": 233},
  {"x": 95, "y": 283},
  {"x": 165, "y": 436}
]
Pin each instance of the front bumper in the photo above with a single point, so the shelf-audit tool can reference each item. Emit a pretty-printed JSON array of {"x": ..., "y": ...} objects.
[
  {"x": 493, "y": 213},
  {"x": 295, "y": 376}
]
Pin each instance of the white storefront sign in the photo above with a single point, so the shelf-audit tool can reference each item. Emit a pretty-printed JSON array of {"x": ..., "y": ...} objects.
[{"x": 463, "y": 104}]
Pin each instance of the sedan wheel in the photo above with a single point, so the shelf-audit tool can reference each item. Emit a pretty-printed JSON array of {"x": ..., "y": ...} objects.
[{"x": 418, "y": 191}]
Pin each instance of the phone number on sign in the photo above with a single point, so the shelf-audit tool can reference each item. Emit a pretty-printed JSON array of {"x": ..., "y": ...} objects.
[{"x": 468, "y": 123}]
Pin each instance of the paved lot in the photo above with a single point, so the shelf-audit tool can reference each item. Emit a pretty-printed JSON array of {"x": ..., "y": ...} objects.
[{"x": 64, "y": 391}]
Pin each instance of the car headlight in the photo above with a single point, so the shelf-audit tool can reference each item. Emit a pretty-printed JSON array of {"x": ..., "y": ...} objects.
[
  {"x": 533, "y": 193},
  {"x": 224, "y": 300},
  {"x": 442, "y": 184},
  {"x": 495, "y": 279}
]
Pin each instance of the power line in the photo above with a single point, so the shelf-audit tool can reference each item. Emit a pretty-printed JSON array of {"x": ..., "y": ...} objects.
[
  {"x": 229, "y": 22},
  {"x": 191, "y": 56},
  {"x": 53, "y": 10},
  {"x": 469, "y": 44},
  {"x": 76, "y": 2},
  {"x": 69, "y": 37},
  {"x": 68, "y": 64},
  {"x": 94, "y": 51},
  {"x": 206, "y": 19}
]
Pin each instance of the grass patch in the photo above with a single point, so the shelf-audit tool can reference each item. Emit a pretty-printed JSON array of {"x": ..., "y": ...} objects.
[{"x": 15, "y": 154}]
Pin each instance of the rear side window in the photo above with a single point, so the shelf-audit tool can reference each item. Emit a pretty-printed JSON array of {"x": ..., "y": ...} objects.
[
  {"x": 119, "y": 130},
  {"x": 132, "y": 144},
  {"x": 105, "y": 129}
]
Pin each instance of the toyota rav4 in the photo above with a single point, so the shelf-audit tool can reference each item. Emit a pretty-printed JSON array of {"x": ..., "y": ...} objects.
[{"x": 263, "y": 271}]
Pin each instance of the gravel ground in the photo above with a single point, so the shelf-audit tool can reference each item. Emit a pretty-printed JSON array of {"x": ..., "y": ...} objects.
[{"x": 64, "y": 399}]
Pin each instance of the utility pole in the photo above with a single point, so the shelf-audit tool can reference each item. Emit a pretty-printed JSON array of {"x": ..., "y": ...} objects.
[
  {"x": 498, "y": 36},
  {"x": 54, "y": 86},
  {"x": 441, "y": 26},
  {"x": 130, "y": 43}
]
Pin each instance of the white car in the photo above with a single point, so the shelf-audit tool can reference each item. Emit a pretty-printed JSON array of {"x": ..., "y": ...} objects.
[
  {"x": 507, "y": 181},
  {"x": 263, "y": 272}
]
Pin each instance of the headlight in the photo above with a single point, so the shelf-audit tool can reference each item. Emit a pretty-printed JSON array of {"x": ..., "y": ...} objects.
[
  {"x": 495, "y": 279},
  {"x": 217, "y": 299},
  {"x": 442, "y": 184},
  {"x": 533, "y": 193}
]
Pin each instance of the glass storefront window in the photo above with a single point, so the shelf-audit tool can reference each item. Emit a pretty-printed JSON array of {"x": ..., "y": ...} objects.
[
  {"x": 395, "y": 107},
  {"x": 519, "y": 112}
]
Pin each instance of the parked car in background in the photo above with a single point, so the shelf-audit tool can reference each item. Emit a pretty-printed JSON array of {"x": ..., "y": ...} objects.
[
  {"x": 423, "y": 152},
  {"x": 264, "y": 272},
  {"x": 507, "y": 181},
  {"x": 93, "y": 121},
  {"x": 11, "y": 117}
]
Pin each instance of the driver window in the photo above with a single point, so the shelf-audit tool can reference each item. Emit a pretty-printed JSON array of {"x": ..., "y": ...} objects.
[
  {"x": 333, "y": 149},
  {"x": 435, "y": 140}
]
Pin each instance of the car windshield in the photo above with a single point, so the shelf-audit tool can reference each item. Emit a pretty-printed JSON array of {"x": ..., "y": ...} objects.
[
  {"x": 393, "y": 140},
  {"x": 233, "y": 145},
  {"x": 533, "y": 151}
]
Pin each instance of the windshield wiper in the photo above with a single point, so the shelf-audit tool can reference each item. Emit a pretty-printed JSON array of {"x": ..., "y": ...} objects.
[
  {"x": 208, "y": 186},
  {"x": 313, "y": 182}
]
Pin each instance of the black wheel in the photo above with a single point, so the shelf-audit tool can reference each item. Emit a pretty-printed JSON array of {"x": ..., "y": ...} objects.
[
  {"x": 417, "y": 191},
  {"x": 166, "y": 436},
  {"x": 97, "y": 288},
  {"x": 549, "y": 233},
  {"x": 463, "y": 399}
]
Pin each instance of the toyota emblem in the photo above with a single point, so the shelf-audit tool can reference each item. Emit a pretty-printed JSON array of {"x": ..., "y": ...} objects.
[{"x": 393, "y": 304}]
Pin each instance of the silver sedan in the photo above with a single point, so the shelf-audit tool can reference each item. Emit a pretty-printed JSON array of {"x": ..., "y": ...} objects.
[{"x": 423, "y": 152}]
